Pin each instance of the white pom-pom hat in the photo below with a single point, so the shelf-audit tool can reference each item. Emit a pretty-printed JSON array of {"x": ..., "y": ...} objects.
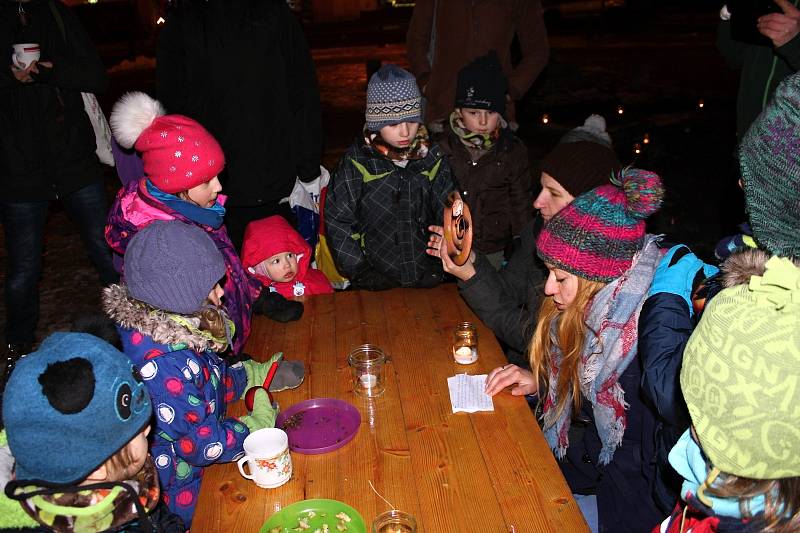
[{"x": 178, "y": 153}]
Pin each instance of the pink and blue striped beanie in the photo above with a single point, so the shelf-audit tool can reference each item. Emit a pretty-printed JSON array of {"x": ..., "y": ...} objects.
[{"x": 597, "y": 235}]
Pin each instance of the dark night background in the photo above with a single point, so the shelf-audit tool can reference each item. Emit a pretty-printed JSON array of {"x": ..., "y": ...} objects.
[{"x": 655, "y": 61}]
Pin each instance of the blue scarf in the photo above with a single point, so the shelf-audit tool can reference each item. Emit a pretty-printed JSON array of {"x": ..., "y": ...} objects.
[
  {"x": 614, "y": 315},
  {"x": 207, "y": 216},
  {"x": 688, "y": 461}
]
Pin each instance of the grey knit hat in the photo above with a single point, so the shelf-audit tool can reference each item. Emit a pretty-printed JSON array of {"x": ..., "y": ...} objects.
[
  {"x": 592, "y": 130},
  {"x": 770, "y": 163},
  {"x": 172, "y": 266},
  {"x": 392, "y": 97}
]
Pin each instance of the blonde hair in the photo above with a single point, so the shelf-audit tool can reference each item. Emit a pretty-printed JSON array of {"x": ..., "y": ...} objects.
[
  {"x": 781, "y": 499},
  {"x": 212, "y": 319},
  {"x": 570, "y": 335}
]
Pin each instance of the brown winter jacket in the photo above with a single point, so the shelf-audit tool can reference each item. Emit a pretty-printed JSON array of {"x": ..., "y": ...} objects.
[
  {"x": 497, "y": 188},
  {"x": 466, "y": 29}
]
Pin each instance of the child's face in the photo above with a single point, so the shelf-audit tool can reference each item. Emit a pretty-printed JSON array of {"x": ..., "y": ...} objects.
[
  {"x": 400, "y": 135},
  {"x": 553, "y": 197},
  {"x": 480, "y": 120},
  {"x": 205, "y": 194},
  {"x": 135, "y": 451},
  {"x": 279, "y": 267},
  {"x": 138, "y": 449},
  {"x": 215, "y": 296}
]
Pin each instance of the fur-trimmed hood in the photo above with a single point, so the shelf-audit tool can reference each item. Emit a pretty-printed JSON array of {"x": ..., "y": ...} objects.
[
  {"x": 165, "y": 328},
  {"x": 743, "y": 264}
]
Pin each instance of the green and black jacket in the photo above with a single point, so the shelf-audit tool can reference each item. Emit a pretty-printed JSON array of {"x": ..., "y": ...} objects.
[{"x": 377, "y": 213}]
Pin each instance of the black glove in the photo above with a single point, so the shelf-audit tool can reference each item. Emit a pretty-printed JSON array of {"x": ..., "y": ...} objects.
[
  {"x": 275, "y": 306},
  {"x": 370, "y": 279}
]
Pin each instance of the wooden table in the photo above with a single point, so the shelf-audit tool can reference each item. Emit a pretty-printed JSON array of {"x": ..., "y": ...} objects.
[{"x": 482, "y": 472}]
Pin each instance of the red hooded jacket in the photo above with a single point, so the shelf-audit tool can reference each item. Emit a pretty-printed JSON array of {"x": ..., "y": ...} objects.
[{"x": 273, "y": 235}]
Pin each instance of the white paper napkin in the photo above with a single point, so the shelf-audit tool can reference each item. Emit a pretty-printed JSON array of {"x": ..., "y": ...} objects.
[{"x": 467, "y": 395}]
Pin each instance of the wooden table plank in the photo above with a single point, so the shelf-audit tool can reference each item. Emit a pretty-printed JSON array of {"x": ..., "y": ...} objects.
[{"x": 454, "y": 472}]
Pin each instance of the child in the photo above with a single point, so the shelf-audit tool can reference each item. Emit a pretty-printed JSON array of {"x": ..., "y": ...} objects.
[
  {"x": 278, "y": 256},
  {"x": 77, "y": 417},
  {"x": 181, "y": 163},
  {"x": 489, "y": 163},
  {"x": 740, "y": 461},
  {"x": 173, "y": 328},
  {"x": 389, "y": 186}
]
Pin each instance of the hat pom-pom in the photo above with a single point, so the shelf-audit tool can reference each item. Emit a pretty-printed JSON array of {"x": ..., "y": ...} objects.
[
  {"x": 132, "y": 114},
  {"x": 595, "y": 124},
  {"x": 643, "y": 190}
]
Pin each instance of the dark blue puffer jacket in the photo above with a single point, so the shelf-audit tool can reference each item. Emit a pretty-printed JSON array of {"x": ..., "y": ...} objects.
[{"x": 665, "y": 325}]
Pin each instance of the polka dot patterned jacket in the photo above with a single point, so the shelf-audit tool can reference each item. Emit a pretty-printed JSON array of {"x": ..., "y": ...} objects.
[{"x": 190, "y": 386}]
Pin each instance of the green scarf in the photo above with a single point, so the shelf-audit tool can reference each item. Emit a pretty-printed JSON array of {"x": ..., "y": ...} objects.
[{"x": 481, "y": 141}]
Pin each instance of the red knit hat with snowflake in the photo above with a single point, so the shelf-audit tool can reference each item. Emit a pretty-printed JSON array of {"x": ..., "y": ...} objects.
[{"x": 178, "y": 152}]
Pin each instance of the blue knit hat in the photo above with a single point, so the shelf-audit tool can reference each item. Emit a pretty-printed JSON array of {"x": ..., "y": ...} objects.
[
  {"x": 392, "y": 97},
  {"x": 71, "y": 405},
  {"x": 172, "y": 266}
]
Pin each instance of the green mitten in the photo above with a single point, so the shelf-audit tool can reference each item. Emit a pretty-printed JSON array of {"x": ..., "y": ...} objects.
[
  {"x": 263, "y": 414},
  {"x": 257, "y": 372},
  {"x": 290, "y": 374}
]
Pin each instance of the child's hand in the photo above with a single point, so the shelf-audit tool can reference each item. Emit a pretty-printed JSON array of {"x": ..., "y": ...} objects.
[
  {"x": 257, "y": 372},
  {"x": 263, "y": 414},
  {"x": 434, "y": 240}
]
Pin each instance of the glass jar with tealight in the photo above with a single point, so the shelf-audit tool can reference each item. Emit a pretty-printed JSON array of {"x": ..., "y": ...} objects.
[
  {"x": 465, "y": 343},
  {"x": 367, "y": 364}
]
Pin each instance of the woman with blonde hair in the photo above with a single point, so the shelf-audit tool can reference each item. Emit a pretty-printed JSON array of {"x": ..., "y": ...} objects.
[{"x": 583, "y": 353}]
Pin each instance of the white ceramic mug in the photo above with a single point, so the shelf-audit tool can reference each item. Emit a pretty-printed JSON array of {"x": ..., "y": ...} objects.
[
  {"x": 267, "y": 457},
  {"x": 25, "y": 54}
]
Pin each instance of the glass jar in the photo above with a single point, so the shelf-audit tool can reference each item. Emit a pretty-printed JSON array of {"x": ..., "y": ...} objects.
[
  {"x": 465, "y": 343},
  {"x": 394, "y": 521},
  {"x": 367, "y": 363}
]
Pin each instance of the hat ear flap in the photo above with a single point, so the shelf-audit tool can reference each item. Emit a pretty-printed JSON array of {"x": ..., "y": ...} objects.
[{"x": 132, "y": 114}]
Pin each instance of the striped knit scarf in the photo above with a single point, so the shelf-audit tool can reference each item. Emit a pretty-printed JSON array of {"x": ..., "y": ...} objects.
[
  {"x": 613, "y": 315},
  {"x": 418, "y": 149}
]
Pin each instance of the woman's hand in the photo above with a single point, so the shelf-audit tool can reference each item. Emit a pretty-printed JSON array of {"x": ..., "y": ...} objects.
[
  {"x": 521, "y": 381},
  {"x": 437, "y": 247}
]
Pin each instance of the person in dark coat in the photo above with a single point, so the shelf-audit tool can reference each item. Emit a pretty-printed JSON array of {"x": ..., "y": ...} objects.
[
  {"x": 242, "y": 69},
  {"x": 47, "y": 152},
  {"x": 489, "y": 163},
  {"x": 583, "y": 353},
  {"x": 764, "y": 50},
  {"x": 444, "y": 36},
  {"x": 505, "y": 300}
]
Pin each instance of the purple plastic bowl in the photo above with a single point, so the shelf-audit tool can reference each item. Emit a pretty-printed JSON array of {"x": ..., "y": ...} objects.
[{"x": 319, "y": 425}]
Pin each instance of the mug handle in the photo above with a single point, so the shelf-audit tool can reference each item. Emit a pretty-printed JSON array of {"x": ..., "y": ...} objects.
[{"x": 240, "y": 464}]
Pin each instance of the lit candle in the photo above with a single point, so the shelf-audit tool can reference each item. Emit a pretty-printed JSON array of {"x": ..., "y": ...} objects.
[
  {"x": 464, "y": 355},
  {"x": 368, "y": 380}
]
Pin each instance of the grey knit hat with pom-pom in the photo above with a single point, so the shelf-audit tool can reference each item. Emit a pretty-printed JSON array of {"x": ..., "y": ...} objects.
[{"x": 597, "y": 235}]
